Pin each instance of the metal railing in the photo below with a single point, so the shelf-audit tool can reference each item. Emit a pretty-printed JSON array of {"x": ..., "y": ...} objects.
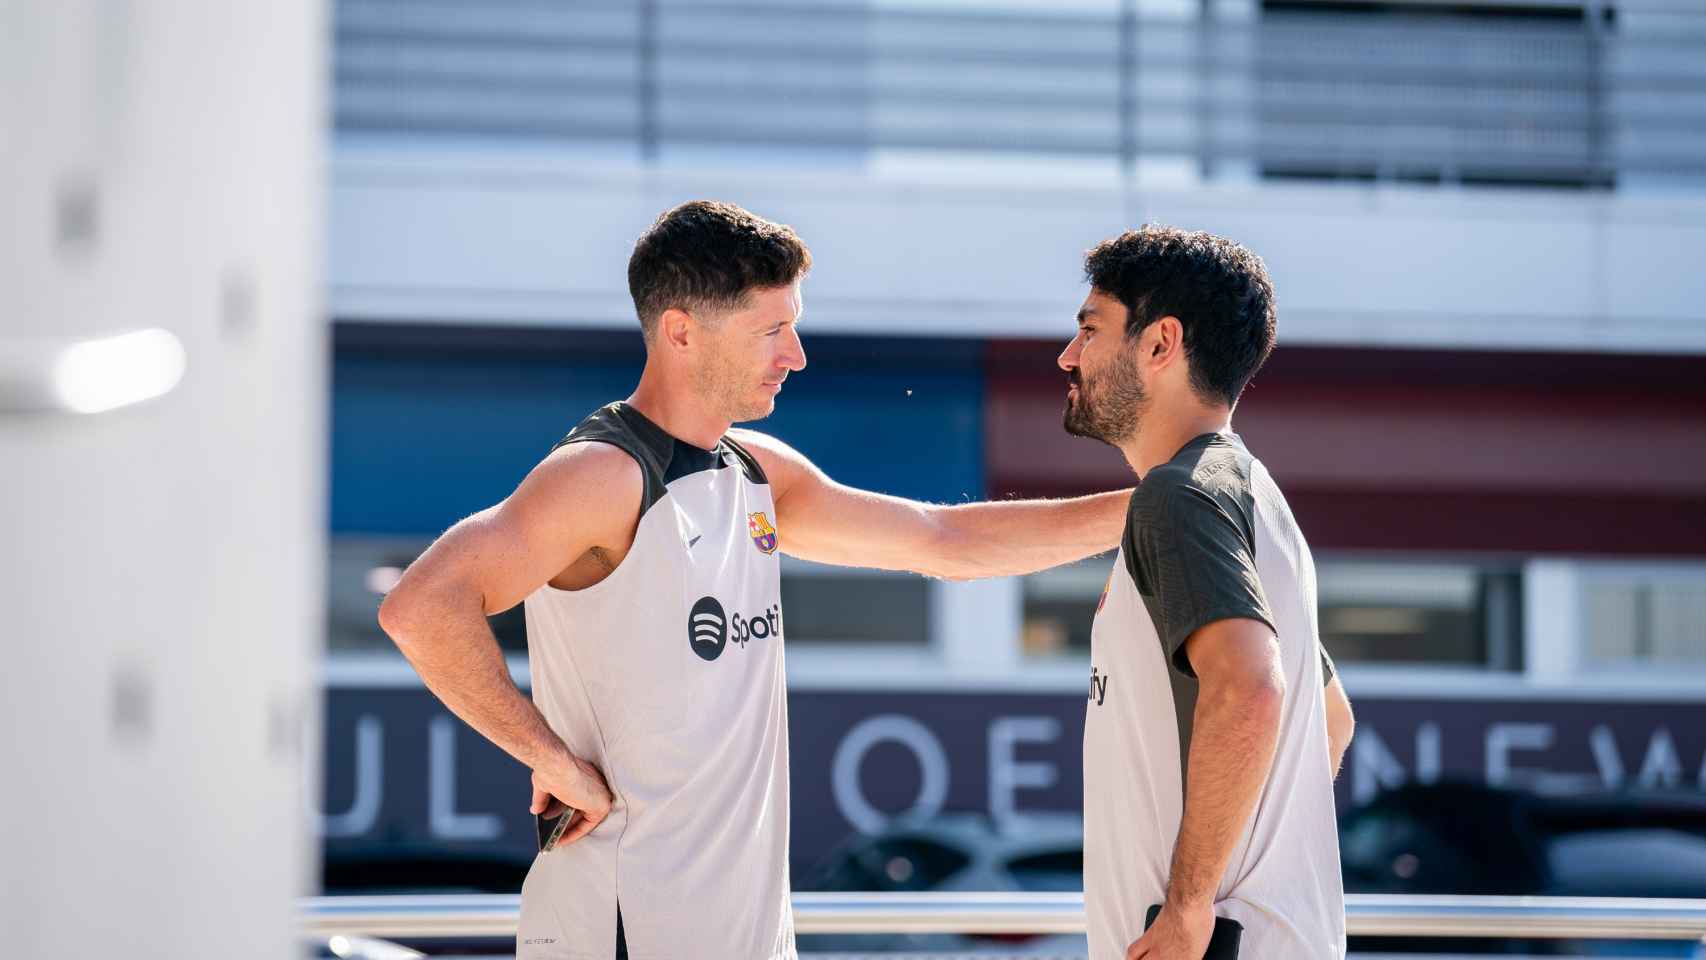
[
  {"x": 1571, "y": 918},
  {"x": 1560, "y": 94}
]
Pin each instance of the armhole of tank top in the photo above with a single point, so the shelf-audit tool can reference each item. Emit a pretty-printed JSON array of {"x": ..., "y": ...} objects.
[
  {"x": 646, "y": 510},
  {"x": 747, "y": 460}
]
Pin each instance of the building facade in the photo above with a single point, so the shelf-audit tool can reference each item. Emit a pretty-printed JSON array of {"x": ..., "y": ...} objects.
[{"x": 1486, "y": 227}]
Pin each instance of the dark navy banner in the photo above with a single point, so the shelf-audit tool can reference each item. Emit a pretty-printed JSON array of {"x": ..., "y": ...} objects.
[{"x": 404, "y": 776}]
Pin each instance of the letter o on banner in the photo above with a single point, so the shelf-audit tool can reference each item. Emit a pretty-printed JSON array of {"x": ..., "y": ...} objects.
[{"x": 867, "y": 733}]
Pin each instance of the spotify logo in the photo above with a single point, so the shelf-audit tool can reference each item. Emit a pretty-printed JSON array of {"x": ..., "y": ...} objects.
[{"x": 707, "y": 628}]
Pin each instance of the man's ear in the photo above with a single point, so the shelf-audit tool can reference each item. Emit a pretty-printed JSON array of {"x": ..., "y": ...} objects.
[
  {"x": 675, "y": 328},
  {"x": 1167, "y": 340}
]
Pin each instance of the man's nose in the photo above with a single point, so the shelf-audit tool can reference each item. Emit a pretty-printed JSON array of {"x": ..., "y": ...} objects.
[
  {"x": 1068, "y": 359},
  {"x": 794, "y": 356}
]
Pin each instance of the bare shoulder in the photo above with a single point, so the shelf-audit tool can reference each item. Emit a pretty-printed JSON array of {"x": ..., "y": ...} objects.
[
  {"x": 764, "y": 444},
  {"x": 583, "y": 482},
  {"x": 590, "y": 461},
  {"x": 782, "y": 463}
]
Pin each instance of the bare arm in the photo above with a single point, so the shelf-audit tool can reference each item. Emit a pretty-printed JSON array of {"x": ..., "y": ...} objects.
[
  {"x": 1341, "y": 724},
  {"x": 828, "y": 522},
  {"x": 577, "y": 499},
  {"x": 1235, "y": 731}
]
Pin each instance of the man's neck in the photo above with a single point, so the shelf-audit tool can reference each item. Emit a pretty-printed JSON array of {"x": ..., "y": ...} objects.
[
  {"x": 1162, "y": 436},
  {"x": 680, "y": 414}
]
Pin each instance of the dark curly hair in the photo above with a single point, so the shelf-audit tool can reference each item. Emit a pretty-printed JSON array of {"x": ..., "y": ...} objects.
[
  {"x": 706, "y": 254},
  {"x": 1219, "y": 291}
]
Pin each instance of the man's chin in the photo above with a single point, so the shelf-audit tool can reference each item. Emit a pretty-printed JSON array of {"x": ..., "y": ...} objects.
[
  {"x": 755, "y": 410},
  {"x": 1078, "y": 428},
  {"x": 1075, "y": 430},
  {"x": 1074, "y": 425}
]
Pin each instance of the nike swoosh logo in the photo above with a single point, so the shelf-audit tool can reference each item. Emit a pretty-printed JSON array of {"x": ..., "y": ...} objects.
[{"x": 691, "y": 542}]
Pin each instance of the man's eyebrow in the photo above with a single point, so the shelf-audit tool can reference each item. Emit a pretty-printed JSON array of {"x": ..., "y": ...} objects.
[{"x": 1085, "y": 314}]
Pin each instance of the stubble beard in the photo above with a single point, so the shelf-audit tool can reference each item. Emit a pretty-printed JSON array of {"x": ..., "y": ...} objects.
[
  {"x": 727, "y": 390},
  {"x": 1110, "y": 406}
]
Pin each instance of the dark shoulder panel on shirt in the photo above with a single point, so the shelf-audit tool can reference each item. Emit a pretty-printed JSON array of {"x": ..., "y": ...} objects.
[{"x": 1191, "y": 544}]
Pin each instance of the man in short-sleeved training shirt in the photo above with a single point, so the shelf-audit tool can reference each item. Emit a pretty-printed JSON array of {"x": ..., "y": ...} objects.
[{"x": 1214, "y": 724}]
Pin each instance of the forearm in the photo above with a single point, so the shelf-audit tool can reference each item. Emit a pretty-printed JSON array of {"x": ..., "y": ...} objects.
[
  {"x": 1011, "y": 537},
  {"x": 453, "y": 649},
  {"x": 1232, "y": 750}
]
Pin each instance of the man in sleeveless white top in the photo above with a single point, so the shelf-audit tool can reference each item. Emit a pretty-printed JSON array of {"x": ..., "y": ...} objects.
[{"x": 645, "y": 547}]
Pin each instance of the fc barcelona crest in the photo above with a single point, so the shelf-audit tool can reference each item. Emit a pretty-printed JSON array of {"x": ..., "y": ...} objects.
[{"x": 763, "y": 534}]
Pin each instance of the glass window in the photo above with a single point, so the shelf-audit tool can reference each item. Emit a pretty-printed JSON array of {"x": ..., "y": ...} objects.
[
  {"x": 1646, "y": 616},
  {"x": 1434, "y": 93},
  {"x": 1060, "y": 605},
  {"x": 1390, "y": 611},
  {"x": 828, "y": 605},
  {"x": 1372, "y": 610},
  {"x": 821, "y": 604}
]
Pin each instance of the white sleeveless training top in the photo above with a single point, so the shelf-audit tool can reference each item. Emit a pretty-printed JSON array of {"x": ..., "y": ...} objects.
[{"x": 668, "y": 675}]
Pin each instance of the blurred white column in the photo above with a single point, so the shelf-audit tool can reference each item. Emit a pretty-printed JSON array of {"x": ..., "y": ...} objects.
[
  {"x": 1552, "y": 619},
  {"x": 976, "y": 625},
  {"x": 159, "y": 562}
]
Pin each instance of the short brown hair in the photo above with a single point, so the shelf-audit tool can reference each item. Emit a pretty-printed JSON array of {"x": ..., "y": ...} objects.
[
  {"x": 706, "y": 254},
  {"x": 1218, "y": 290}
]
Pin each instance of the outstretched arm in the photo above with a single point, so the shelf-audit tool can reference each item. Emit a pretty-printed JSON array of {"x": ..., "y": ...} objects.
[
  {"x": 578, "y": 498},
  {"x": 825, "y": 521}
]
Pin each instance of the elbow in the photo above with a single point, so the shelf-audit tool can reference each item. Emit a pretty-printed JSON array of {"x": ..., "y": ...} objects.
[
  {"x": 1256, "y": 697},
  {"x": 418, "y": 611},
  {"x": 1265, "y": 699},
  {"x": 1339, "y": 742},
  {"x": 397, "y": 616},
  {"x": 1260, "y": 695},
  {"x": 1341, "y": 728}
]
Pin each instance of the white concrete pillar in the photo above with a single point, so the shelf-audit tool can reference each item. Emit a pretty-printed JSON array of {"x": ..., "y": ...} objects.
[
  {"x": 160, "y": 563},
  {"x": 1552, "y": 619},
  {"x": 976, "y": 625}
]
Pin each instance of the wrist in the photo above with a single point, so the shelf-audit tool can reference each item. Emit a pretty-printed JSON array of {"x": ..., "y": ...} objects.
[
  {"x": 1186, "y": 902},
  {"x": 557, "y": 762}
]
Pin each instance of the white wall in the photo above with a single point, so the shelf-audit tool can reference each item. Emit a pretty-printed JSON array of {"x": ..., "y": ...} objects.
[
  {"x": 544, "y": 239},
  {"x": 160, "y": 563}
]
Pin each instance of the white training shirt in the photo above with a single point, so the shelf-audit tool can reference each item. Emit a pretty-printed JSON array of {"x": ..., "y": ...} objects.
[
  {"x": 668, "y": 675},
  {"x": 1208, "y": 538}
]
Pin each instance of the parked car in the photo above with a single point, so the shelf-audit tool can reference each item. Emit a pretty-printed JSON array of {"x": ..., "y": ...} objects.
[
  {"x": 966, "y": 852},
  {"x": 421, "y": 869},
  {"x": 1460, "y": 838}
]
